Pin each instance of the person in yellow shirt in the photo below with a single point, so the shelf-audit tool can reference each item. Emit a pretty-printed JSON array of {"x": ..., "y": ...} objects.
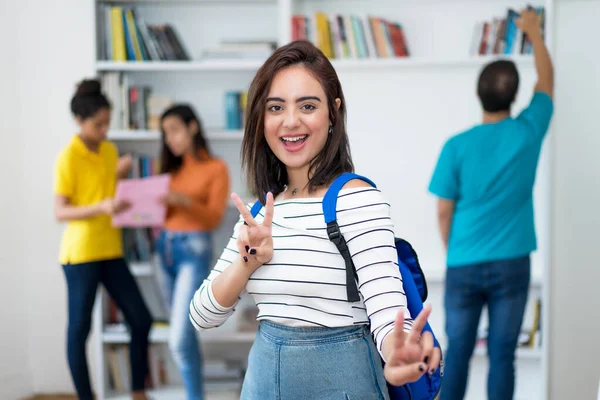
[
  {"x": 198, "y": 198},
  {"x": 91, "y": 251}
]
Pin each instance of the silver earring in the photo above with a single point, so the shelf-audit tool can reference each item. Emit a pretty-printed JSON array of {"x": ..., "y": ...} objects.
[{"x": 330, "y": 131}]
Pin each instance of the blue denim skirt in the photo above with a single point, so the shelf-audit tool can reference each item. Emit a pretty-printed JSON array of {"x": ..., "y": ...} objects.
[{"x": 288, "y": 363}]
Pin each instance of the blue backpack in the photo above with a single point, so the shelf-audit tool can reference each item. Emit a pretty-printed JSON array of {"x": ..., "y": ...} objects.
[{"x": 415, "y": 286}]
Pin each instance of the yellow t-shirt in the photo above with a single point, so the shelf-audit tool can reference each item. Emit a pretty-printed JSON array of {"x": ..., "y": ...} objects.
[{"x": 86, "y": 178}]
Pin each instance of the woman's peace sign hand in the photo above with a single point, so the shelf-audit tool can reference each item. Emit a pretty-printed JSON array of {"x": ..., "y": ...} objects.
[
  {"x": 410, "y": 355},
  {"x": 255, "y": 241}
]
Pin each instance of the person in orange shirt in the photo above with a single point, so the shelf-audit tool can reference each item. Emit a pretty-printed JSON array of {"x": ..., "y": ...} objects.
[{"x": 196, "y": 202}]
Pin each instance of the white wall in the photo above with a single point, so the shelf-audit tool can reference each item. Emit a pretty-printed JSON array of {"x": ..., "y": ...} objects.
[
  {"x": 15, "y": 377},
  {"x": 574, "y": 323},
  {"x": 57, "y": 49}
]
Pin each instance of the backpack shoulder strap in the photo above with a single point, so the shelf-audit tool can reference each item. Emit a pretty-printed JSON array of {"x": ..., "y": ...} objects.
[
  {"x": 330, "y": 198},
  {"x": 334, "y": 233}
]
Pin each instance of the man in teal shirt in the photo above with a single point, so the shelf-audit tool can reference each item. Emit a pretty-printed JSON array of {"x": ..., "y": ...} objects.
[{"x": 484, "y": 181}]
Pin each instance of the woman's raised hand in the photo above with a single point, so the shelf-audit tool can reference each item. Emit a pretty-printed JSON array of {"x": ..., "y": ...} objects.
[
  {"x": 255, "y": 241},
  {"x": 410, "y": 355}
]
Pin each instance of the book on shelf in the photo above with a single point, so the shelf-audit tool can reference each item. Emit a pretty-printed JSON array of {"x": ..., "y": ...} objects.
[
  {"x": 161, "y": 368},
  {"x": 350, "y": 36},
  {"x": 119, "y": 369},
  {"x": 124, "y": 36},
  {"x": 501, "y": 36},
  {"x": 133, "y": 106},
  {"x": 235, "y": 109}
]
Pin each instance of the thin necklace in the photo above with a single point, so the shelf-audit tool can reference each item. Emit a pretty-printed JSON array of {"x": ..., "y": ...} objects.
[{"x": 294, "y": 192}]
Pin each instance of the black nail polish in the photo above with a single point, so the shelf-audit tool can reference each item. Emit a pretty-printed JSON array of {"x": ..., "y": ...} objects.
[
  {"x": 431, "y": 372},
  {"x": 245, "y": 259},
  {"x": 247, "y": 248},
  {"x": 253, "y": 251},
  {"x": 426, "y": 359},
  {"x": 421, "y": 368}
]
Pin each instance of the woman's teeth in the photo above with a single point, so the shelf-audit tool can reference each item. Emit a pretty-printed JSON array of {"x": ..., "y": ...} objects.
[{"x": 293, "y": 138}]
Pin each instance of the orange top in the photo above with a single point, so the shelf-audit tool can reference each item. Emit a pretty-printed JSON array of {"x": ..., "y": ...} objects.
[{"x": 206, "y": 181}]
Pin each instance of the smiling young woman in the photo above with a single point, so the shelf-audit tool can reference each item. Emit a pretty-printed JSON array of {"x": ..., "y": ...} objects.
[
  {"x": 295, "y": 124},
  {"x": 315, "y": 342}
]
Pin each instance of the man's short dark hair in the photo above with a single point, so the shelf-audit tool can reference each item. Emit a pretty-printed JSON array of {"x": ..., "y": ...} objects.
[{"x": 498, "y": 84}]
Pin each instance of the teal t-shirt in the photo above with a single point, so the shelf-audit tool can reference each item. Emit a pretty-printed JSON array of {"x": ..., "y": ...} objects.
[{"x": 489, "y": 171}]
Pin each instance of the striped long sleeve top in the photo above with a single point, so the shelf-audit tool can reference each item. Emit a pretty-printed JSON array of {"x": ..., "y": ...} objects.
[{"x": 304, "y": 283}]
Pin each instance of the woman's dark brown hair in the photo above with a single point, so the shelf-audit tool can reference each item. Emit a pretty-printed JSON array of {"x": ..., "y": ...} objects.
[
  {"x": 169, "y": 162},
  {"x": 264, "y": 171}
]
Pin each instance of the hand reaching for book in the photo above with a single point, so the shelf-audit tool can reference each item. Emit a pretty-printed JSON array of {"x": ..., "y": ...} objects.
[{"x": 529, "y": 22}]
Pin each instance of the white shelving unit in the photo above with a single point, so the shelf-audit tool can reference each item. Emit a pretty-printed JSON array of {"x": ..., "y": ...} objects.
[
  {"x": 251, "y": 65},
  {"x": 177, "y": 66},
  {"x": 161, "y": 335},
  {"x": 213, "y": 135},
  {"x": 400, "y": 109}
]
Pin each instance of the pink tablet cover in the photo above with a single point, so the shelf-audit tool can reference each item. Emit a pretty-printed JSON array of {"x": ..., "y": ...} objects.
[{"x": 144, "y": 195}]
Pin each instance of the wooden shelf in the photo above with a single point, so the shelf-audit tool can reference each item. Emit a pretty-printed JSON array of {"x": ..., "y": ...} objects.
[
  {"x": 146, "y": 135},
  {"x": 342, "y": 64},
  {"x": 160, "y": 334}
]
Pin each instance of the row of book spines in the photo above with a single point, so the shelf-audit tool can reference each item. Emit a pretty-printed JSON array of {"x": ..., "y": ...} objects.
[
  {"x": 138, "y": 243},
  {"x": 134, "y": 107},
  {"x": 351, "y": 36},
  {"x": 235, "y": 109},
  {"x": 120, "y": 370},
  {"x": 144, "y": 166},
  {"x": 128, "y": 38},
  {"x": 502, "y": 36},
  {"x": 138, "y": 106}
]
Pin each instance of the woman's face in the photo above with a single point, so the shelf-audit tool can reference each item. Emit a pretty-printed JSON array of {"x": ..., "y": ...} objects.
[
  {"x": 95, "y": 128},
  {"x": 178, "y": 135},
  {"x": 296, "y": 117}
]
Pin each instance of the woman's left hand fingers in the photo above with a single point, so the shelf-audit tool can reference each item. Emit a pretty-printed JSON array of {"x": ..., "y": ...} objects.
[
  {"x": 427, "y": 347},
  {"x": 434, "y": 360},
  {"x": 419, "y": 324},
  {"x": 402, "y": 374}
]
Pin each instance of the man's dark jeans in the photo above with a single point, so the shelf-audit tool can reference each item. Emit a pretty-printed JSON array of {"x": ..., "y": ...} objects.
[{"x": 503, "y": 286}]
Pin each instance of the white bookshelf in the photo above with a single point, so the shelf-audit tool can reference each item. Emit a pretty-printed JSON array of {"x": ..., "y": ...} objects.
[
  {"x": 177, "y": 66},
  {"x": 148, "y": 135},
  {"x": 161, "y": 335},
  {"x": 410, "y": 104},
  {"x": 252, "y": 66}
]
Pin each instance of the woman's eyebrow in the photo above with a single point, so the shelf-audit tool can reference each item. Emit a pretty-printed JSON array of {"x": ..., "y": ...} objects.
[{"x": 303, "y": 98}]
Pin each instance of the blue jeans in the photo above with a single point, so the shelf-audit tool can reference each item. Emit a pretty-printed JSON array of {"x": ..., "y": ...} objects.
[
  {"x": 82, "y": 283},
  {"x": 291, "y": 363},
  {"x": 503, "y": 286},
  {"x": 185, "y": 259}
]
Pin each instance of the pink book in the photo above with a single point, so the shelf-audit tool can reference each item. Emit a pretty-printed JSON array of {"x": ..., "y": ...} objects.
[{"x": 144, "y": 196}]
